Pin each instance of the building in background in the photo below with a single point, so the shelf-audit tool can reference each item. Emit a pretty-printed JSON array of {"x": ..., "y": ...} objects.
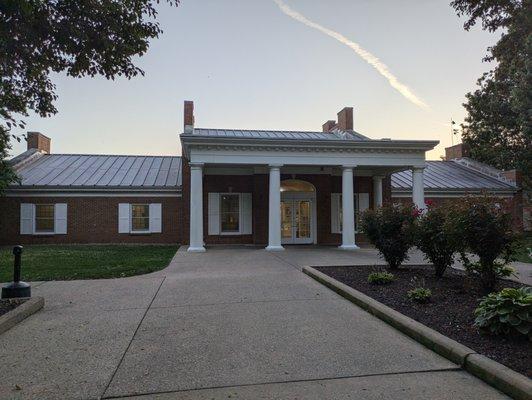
[{"x": 268, "y": 188}]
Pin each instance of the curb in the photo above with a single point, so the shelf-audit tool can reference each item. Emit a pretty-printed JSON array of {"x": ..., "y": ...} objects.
[
  {"x": 13, "y": 317},
  {"x": 497, "y": 375}
]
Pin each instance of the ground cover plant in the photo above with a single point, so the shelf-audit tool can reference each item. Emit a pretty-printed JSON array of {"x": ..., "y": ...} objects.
[
  {"x": 380, "y": 278},
  {"x": 506, "y": 312},
  {"x": 65, "y": 262}
]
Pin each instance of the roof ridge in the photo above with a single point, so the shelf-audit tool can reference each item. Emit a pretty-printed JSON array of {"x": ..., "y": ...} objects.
[
  {"x": 263, "y": 130},
  {"x": 484, "y": 173}
]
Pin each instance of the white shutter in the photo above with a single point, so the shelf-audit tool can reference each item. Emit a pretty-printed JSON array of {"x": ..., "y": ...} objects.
[
  {"x": 155, "y": 218},
  {"x": 335, "y": 212},
  {"x": 60, "y": 211},
  {"x": 214, "y": 213},
  {"x": 27, "y": 212},
  {"x": 363, "y": 202},
  {"x": 246, "y": 211},
  {"x": 123, "y": 217}
]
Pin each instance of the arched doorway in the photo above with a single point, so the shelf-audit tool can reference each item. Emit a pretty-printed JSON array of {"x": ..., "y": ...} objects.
[{"x": 298, "y": 212}]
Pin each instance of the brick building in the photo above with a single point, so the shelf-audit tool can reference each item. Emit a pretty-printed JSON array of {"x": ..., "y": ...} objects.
[{"x": 270, "y": 188}]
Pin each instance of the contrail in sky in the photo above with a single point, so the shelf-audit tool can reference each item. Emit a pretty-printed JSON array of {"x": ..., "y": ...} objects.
[{"x": 364, "y": 54}]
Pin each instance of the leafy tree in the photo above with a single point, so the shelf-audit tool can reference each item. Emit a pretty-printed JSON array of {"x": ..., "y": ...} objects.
[
  {"x": 79, "y": 38},
  {"x": 498, "y": 127}
]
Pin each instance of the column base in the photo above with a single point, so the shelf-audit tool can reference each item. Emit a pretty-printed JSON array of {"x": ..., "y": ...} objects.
[
  {"x": 274, "y": 248},
  {"x": 199, "y": 249},
  {"x": 348, "y": 247}
]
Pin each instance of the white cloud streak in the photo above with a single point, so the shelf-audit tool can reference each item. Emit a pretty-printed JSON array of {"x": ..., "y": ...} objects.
[{"x": 364, "y": 54}]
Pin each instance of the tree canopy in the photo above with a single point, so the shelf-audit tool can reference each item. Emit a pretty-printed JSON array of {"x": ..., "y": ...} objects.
[
  {"x": 498, "y": 125},
  {"x": 79, "y": 38}
]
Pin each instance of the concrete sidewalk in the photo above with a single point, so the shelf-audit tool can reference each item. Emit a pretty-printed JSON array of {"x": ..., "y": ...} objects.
[{"x": 227, "y": 323}]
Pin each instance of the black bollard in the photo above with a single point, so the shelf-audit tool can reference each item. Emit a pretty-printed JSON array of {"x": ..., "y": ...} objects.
[{"x": 17, "y": 288}]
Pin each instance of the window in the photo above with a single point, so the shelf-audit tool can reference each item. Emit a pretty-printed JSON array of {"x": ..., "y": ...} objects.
[
  {"x": 230, "y": 213},
  {"x": 44, "y": 218},
  {"x": 140, "y": 217}
]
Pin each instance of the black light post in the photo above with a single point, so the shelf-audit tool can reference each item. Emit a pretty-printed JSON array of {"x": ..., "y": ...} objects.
[{"x": 16, "y": 288}]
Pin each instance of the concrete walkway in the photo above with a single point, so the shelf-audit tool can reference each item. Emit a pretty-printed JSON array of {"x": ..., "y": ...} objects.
[{"x": 239, "y": 324}]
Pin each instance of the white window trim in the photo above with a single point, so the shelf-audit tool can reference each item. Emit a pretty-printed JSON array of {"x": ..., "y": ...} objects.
[
  {"x": 232, "y": 233},
  {"x": 35, "y": 231},
  {"x": 131, "y": 230}
]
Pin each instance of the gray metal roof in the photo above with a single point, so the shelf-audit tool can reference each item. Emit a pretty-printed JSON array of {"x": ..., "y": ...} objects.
[
  {"x": 102, "y": 171},
  {"x": 288, "y": 135},
  {"x": 449, "y": 175}
]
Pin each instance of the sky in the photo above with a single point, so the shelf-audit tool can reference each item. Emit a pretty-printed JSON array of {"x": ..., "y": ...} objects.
[{"x": 404, "y": 66}]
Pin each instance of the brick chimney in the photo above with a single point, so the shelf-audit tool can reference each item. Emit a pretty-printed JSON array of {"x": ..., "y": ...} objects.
[
  {"x": 457, "y": 151},
  {"x": 513, "y": 176},
  {"x": 345, "y": 119},
  {"x": 188, "y": 120},
  {"x": 37, "y": 140},
  {"x": 329, "y": 125}
]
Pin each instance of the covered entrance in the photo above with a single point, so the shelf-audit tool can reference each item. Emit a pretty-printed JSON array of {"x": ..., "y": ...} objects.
[{"x": 298, "y": 212}]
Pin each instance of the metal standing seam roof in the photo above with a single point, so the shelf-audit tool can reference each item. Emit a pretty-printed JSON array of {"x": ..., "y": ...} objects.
[
  {"x": 288, "y": 135},
  {"x": 102, "y": 171},
  {"x": 449, "y": 175}
]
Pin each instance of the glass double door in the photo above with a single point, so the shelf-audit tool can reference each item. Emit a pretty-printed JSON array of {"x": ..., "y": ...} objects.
[{"x": 296, "y": 221}]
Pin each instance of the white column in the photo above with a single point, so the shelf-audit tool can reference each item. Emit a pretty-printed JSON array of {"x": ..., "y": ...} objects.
[
  {"x": 377, "y": 191},
  {"x": 418, "y": 195},
  {"x": 196, "y": 208},
  {"x": 274, "y": 219},
  {"x": 348, "y": 210}
]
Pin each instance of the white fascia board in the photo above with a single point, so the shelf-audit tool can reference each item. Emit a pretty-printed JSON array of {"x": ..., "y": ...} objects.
[
  {"x": 233, "y": 157},
  {"x": 420, "y": 145},
  {"x": 24, "y": 192}
]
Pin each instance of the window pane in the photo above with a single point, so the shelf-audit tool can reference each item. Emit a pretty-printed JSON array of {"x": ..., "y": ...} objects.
[
  {"x": 140, "y": 210},
  {"x": 140, "y": 217},
  {"x": 44, "y": 217},
  {"x": 230, "y": 213},
  {"x": 229, "y": 203},
  {"x": 44, "y": 225},
  {"x": 140, "y": 224},
  {"x": 44, "y": 210}
]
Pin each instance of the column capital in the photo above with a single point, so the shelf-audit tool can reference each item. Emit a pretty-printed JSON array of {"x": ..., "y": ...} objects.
[
  {"x": 418, "y": 169},
  {"x": 349, "y": 166},
  {"x": 378, "y": 176},
  {"x": 196, "y": 165},
  {"x": 275, "y": 166}
]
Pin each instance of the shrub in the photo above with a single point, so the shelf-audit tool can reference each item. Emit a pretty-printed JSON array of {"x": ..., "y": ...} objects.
[
  {"x": 485, "y": 232},
  {"x": 419, "y": 295},
  {"x": 391, "y": 230},
  {"x": 380, "y": 278},
  {"x": 437, "y": 237},
  {"x": 505, "y": 312}
]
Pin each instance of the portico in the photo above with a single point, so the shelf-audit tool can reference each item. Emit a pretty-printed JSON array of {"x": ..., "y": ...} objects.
[{"x": 243, "y": 175}]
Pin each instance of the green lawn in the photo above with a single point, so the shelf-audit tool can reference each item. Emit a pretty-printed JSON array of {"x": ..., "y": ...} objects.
[{"x": 44, "y": 263}]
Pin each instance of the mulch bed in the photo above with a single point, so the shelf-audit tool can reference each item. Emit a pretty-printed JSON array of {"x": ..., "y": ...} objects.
[
  {"x": 450, "y": 311},
  {"x": 7, "y": 305}
]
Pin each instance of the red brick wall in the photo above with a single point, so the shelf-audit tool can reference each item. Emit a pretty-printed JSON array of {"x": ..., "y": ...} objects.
[
  {"x": 258, "y": 185},
  {"x": 90, "y": 220}
]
